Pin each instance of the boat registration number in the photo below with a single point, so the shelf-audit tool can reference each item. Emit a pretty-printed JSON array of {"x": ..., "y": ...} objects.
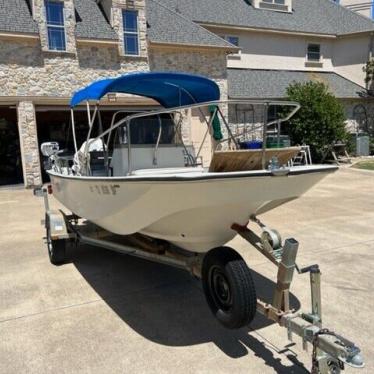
[{"x": 104, "y": 189}]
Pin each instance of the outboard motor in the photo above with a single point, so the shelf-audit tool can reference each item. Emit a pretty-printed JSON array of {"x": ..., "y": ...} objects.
[{"x": 49, "y": 149}]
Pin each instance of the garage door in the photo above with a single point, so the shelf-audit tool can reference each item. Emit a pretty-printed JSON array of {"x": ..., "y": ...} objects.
[{"x": 10, "y": 153}]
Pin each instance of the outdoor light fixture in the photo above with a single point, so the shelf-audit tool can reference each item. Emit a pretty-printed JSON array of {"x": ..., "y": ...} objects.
[{"x": 112, "y": 97}]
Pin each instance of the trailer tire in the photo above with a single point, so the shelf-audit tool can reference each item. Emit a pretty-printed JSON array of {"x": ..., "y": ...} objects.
[
  {"x": 229, "y": 288},
  {"x": 56, "y": 248}
]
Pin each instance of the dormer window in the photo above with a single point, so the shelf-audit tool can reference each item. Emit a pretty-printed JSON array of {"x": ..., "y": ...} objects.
[
  {"x": 279, "y": 2},
  {"x": 55, "y": 25},
  {"x": 277, "y": 5},
  {"x": 130, "y": 32}
]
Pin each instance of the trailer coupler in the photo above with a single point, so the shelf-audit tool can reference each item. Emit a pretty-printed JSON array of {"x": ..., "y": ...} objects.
[{"x": 330, "y": 351}]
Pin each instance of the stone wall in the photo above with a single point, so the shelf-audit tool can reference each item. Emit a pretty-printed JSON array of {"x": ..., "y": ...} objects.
[
  {"x": 25, "y": 70},
  {"x": 29, "y": 143},
  {"x": 211, "y": 63}
]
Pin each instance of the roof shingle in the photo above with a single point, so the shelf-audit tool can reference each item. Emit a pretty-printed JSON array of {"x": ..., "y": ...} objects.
[
  {"x": 15, "y": 16},
  {"x": 272, "y": 84},
  {"x": 167, "y": 26},
  {"x": 309, "y": 16},
  {"x": 91, "y": 23}
]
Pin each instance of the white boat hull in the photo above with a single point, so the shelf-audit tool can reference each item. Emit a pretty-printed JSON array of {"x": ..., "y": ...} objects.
[{"x": 194, "y": 211}]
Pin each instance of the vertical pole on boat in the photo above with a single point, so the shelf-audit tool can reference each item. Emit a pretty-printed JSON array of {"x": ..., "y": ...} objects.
[
  {"x": 129, "y": 147},
  {"x": 278, "y": 132},
  {"x": 158, "y": 141},
  {"x": 228, "y": 128},
  {"x": 91, "y": 121},
  {"x": 88, "y": 113},
  {"x": 207, "y": 130},
  {"x": 264, "y": 135},
  {"x": 73, "y": 128}
]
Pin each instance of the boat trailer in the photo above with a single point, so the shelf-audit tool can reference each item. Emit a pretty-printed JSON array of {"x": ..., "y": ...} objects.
[{"x": 330, "y": 351}]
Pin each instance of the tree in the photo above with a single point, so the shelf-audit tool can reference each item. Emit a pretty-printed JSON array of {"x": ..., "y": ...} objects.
[
  {"x": 369, "y": 77},
  {"x": 320, "y": 120}
]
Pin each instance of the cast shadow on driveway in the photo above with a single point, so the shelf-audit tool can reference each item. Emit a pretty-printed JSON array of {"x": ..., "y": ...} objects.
[{"x": 167, "y": 305}]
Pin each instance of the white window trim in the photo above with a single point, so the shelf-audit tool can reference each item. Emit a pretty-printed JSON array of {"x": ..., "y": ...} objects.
[
  {"x": 286, "y": 7},
  {"x": 137, "y": 33},
  {"x": 58, "y": 26},
  {"x": 273, "y": 2}
]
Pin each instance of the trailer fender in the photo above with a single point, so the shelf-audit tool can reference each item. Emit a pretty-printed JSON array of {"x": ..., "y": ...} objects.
[{"x": 55, "y": 220}]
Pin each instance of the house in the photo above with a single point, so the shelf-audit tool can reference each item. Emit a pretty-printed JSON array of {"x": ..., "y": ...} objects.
[
  {"x": 284, "y": 41},
  {"x": 252, "y": 49},
  {"x": 50, "y": 48}
]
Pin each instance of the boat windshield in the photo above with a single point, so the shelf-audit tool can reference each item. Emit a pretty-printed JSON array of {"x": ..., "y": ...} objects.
[{"x": 151, "y": 130}]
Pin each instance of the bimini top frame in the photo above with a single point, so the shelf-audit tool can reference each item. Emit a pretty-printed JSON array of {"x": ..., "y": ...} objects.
[
  {"x": 167, "y": 88},
  {"x": 175, "y": 92}
]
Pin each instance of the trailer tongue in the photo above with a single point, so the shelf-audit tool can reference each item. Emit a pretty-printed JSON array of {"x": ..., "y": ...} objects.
[{"x": 330, "y": 351}]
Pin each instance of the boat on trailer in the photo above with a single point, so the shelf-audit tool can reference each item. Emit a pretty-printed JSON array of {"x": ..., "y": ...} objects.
[
  {"x": 154, "y": 184},
  {"x": 139, "y": 189}
]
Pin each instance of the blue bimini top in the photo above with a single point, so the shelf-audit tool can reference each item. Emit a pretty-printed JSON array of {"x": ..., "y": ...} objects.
[{"x": 168, "y": 89}]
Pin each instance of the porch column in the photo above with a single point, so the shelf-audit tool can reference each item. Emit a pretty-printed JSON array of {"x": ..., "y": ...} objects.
[{"x": 29, "y": 144}]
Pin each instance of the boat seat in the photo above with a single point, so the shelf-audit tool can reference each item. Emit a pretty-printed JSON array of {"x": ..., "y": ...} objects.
[
  {"x": 143, "y": 158},
  {"x": 160, "y": 171}
]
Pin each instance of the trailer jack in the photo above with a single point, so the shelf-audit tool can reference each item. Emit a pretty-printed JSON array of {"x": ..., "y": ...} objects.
[{"x": 330, "y": 351}]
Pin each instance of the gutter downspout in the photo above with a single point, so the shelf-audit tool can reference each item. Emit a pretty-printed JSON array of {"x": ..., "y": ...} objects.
[{"x": 370, "y": 55}]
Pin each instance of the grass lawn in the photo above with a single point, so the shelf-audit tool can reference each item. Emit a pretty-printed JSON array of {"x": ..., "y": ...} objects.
[{"x": 367, "y": 165}]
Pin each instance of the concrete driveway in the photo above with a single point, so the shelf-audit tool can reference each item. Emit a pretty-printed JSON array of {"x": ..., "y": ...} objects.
[{"x": 107, "y": 313}]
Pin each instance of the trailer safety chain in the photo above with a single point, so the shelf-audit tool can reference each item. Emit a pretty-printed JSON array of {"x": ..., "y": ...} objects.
[{"x": 315, "y": 362}]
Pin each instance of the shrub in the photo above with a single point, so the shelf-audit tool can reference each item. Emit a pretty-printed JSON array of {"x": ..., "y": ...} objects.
[{"x": 320, "y": 120}]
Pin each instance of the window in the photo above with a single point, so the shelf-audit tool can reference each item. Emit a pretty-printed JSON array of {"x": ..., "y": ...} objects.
[
  {"x": 55, "y": 25},
  {"x": 130, "y": 31},
  {"x": 233, "y": 40},
  {"x": 146, "y": 130},
  {"x": 314, "y": 52}
]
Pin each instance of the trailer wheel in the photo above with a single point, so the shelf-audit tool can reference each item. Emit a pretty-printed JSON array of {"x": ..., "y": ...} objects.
[
  {"x": 56, "y": 248},
  {"x": 229, "y": 287}
]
